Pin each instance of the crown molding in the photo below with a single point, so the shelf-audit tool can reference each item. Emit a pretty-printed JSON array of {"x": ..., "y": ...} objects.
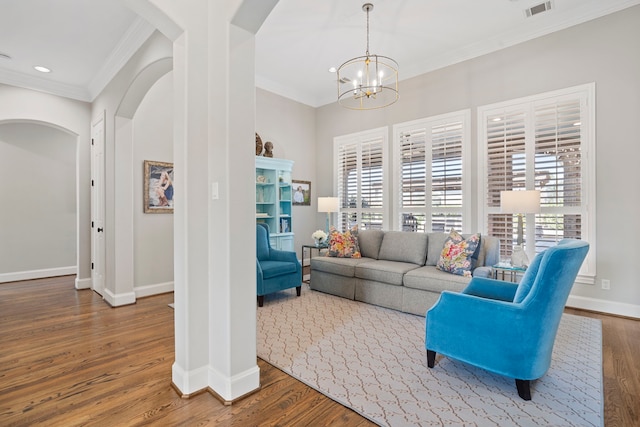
[
  {"x": 138, "y": 33},
  {"x": 42, "y": 85}
]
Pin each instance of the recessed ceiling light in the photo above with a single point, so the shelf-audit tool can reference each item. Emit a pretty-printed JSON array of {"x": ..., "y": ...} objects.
[
  {"x": 332, "y": 70},
  {"x": 42, "y": 69}
]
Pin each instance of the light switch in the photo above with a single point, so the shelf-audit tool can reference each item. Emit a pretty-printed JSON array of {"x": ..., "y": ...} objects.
[{"x": 214, "y": 191}]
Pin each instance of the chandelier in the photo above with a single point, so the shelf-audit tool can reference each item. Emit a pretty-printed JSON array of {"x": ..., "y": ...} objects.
[{"x": 368, "y": 82}]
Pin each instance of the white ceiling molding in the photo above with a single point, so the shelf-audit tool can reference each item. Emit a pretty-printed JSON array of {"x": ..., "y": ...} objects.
[
  {"x": 131, "y": 41},
  {"x": 43, "y": 85}
]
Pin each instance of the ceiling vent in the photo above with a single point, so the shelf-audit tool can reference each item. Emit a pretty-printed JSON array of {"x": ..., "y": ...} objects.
[{"x": 539, "y": 8}]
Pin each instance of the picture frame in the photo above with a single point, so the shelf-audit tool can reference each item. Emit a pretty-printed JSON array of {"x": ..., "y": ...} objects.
[
  {"x": 301, "y": 193},
  {"x": 158, "y": 187}
]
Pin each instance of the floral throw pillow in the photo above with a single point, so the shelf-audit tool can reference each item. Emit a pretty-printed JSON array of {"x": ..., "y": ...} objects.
[
  {"x": 459, "y": 255},
  {"x": 343, "y": 245}
]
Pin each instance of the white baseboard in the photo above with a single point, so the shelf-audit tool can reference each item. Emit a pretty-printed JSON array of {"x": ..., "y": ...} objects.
[
  {"x": 237, "y": 386},
  {"x": 156, "y": 289},
  {"x": 116, "y": 300},
  {"x": 610, "y": 307},
  {"x": 84, "y": 283},
  {"x": 189, "y": 382},
  {"x": 37, "y": 274}
]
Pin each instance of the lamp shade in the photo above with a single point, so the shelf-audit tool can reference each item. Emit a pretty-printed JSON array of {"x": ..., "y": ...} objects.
[
  {"x": 328, "y": 204},
  {"x": 520, "y": 202}
]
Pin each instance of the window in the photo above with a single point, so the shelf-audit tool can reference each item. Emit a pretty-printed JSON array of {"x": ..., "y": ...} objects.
[
  {"x": 361, "y": 169},
  {"x": 542, "y": 143},
  {"x": 431, "y": 180}
]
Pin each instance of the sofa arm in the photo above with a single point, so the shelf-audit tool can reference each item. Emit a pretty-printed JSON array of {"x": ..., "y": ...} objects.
[{"x": 486, "y": 272}]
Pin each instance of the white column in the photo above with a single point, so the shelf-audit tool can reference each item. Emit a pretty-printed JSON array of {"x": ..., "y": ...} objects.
[{"x": 214, "y": 240}]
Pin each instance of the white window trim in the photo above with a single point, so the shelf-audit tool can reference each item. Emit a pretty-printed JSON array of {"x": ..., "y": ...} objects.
[
  {"x": 588, "y": 149},
  {"x": 465, "y": 117},
  {"x": 358, "y": 137}
]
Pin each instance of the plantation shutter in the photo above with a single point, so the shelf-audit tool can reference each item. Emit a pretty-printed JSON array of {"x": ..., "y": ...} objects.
[
  {"x": 348, "y": 183},
  {"x": 446, "y": 176},
  {"x": 413, "y": 183},
  {"x": 506, "y": 169},
  {"x": 372, "y": 183},
  {"x": 542, "y": 143},
  {"x": 430, "y": 179},
  {"x": 558, "y": 172},
  {"x": 360, "y": 167}
]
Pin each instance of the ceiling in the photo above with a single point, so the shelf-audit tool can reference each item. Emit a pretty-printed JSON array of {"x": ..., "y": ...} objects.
[{"x": 85, "y": 42}]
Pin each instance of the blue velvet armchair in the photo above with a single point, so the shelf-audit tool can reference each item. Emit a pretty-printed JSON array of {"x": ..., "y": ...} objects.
[
  {"x": 275, "y": 270},
  {"x": 503, "y": 327}
]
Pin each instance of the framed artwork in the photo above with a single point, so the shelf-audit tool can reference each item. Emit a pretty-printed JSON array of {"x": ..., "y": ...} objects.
[
  {"x": 301, "y": 193},
  {"x": 158, "y": 187}
]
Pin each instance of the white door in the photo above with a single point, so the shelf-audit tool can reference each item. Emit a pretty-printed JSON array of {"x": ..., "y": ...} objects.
[{"x": 97, "y": 206}]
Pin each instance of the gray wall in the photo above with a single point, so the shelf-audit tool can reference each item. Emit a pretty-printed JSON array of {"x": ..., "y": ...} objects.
[
  {"x": 605, "y": 51},
  {"x": 291, "y": 127},
  {"x": 38, "y": 194}
]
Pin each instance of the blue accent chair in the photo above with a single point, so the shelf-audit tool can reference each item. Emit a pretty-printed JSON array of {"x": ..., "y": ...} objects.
[
  {"x": 276, "y": 270},
  {"x": 503, "y": 327}
]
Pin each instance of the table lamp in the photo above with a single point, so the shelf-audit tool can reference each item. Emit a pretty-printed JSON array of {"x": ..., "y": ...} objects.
[
  {"x": 328, "y": 205},
  {"x": 520, "y": 202}
]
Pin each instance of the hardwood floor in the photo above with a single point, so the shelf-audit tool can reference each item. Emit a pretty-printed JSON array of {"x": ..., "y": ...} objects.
[{"x": 68, "y": 359}]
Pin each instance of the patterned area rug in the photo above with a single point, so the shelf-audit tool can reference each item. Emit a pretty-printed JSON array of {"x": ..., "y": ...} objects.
[{"x": 373, "y": 360}]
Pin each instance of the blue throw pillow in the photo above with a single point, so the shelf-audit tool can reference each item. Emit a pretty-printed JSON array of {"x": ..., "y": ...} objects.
[{"x": 459, "y": 255}]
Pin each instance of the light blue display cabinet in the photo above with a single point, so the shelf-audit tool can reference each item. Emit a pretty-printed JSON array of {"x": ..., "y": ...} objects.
[{"x": 274, "y": 199}]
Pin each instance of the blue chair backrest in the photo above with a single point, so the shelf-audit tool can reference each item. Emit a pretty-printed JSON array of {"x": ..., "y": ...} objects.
[{"x": 262, "y": 242}]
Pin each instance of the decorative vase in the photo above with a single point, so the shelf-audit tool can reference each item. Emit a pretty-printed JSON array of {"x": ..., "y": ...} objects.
[
  {"x": 519, "y": 257},
  {"x": 319, "y": 242}
]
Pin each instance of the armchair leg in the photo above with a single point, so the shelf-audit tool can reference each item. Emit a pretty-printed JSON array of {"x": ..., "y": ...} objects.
[
  {"x": 260, "y": 300},
  {"x": 298, "y": 289},
  {"x": 431, "y": 358},
  {"x": 524, "y": 390}
]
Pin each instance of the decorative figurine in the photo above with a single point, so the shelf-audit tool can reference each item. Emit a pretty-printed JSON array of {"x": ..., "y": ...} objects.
[
  {"x": 268, "y": 149},
  {"x": 258, "y": 144}
]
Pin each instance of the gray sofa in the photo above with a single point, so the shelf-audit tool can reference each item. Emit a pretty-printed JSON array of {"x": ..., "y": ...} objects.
[{"x": 397, "y": 270}]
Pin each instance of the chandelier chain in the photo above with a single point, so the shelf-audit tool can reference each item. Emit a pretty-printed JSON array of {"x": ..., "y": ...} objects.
[{"x": 367, "y": 9}]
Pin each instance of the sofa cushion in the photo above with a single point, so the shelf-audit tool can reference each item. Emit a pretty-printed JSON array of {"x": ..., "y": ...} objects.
[
  {"x": 436, "y": 243},
  {"x": 389, "y": 272},
  {"x": 369, "y": 242},
  {"x": 343, "y": 245},
  {"x": 404, "y": 246},
  {"x": 429, "y": 278},
  {"x": 459, "y": 255},
  {"x": 340, "y": 266}
]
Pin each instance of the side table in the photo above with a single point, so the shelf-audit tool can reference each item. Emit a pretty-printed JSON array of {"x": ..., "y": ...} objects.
[
  {"x": 311, "y": 248},
  {"x": 512, "y": 271}
]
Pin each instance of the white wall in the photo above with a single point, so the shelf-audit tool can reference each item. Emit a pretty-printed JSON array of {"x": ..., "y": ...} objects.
[
  {"x": 72, "y": 117},
  {"x": 291, "y": 127},
  {"x": 604, "y": 51},
  {"x": 152, "y": 140},
  {"x": 38, "y": 194},
  {"x": 121, "y": 99}
]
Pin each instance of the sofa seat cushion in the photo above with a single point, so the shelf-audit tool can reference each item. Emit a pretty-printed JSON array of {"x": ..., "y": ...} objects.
[
  {"x": 429, "y": 278},
  {"x": 390, "y": 272},
  {"x": 276, "y": 268},
  {"x": 340, "y": 266}
]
